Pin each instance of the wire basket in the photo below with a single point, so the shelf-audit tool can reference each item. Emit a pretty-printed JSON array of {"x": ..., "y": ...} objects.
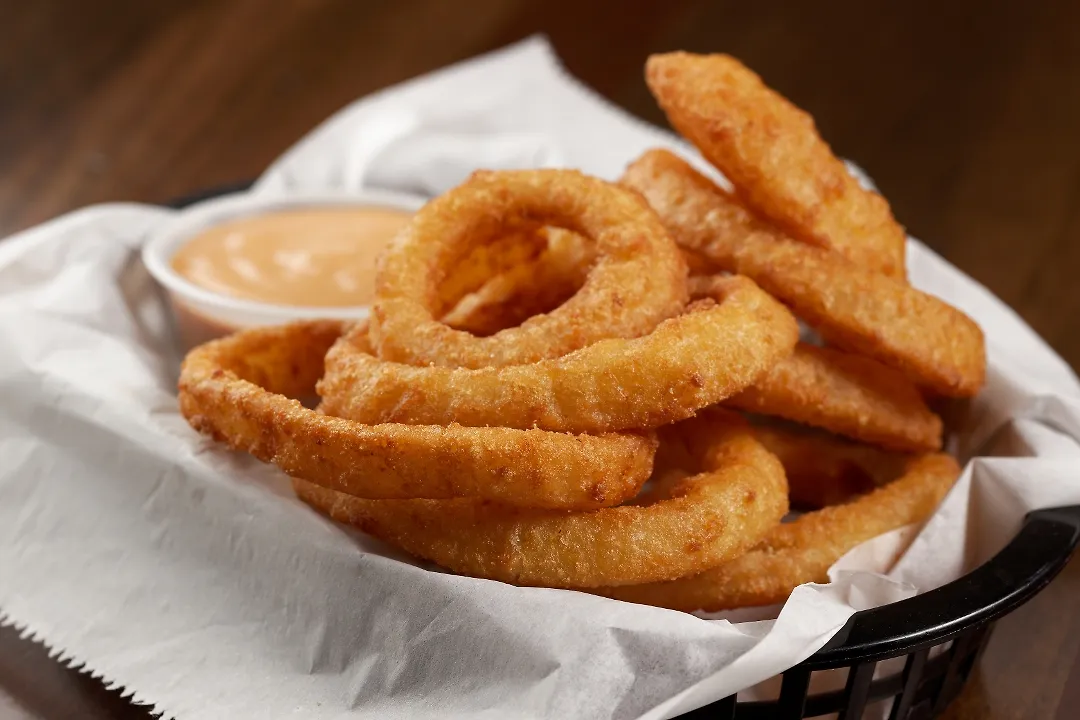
[{"x": 939, "y": 634}]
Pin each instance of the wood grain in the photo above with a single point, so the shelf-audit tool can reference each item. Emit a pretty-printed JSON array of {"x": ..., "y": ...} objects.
[{"x": 965, "y": 114}]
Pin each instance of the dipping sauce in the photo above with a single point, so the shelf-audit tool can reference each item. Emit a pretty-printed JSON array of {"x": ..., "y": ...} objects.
[{"x": 310, "y": 257}]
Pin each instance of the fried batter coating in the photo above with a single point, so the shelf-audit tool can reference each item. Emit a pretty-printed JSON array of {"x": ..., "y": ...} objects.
[
  {"x": 638, "y": 280},
  {"x": 695, "y": 523},
  {"x": 846, "y": 394},
  {"x": 235, "y": 390},
  {"x": 689, "y": 362},
  {"x": 802, "y": 551},
  {"x": 772, "y": 153},
  {"x": 931, "y": 342}
]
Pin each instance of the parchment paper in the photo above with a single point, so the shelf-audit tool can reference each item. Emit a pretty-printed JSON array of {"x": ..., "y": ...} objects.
[{"x": 192, "y": 577}]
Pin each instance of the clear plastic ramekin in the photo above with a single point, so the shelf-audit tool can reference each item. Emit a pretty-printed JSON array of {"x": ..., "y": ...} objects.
[{"x": 200, "y": 314}]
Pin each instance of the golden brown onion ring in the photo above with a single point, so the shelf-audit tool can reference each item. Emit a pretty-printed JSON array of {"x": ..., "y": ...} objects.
[
  {"x": 865, "y": 312},
  {"x": 802, "y": 551},
  {"x": 699, "y": 522},
  {"x": 685, "y": 364},
  {"x": 639, "y": 278},
  {"x": 772, "y": 153},
  {"x": 846, "y": 394},
  {"x": 235, "y": 390}
]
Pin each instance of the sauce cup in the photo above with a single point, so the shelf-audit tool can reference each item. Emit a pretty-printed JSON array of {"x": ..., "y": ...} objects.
[{"x": 200, "y": 314}]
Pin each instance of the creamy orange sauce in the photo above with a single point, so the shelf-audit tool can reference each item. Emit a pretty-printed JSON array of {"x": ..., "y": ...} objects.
[{"x": 315, "y": 257}]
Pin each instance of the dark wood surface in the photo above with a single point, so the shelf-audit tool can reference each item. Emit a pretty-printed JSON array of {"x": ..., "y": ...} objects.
[{"x": 965, "y": 113}]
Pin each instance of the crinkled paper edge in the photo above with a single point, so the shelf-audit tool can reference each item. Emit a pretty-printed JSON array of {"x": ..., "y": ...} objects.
[{"x": 51, "y": 643}]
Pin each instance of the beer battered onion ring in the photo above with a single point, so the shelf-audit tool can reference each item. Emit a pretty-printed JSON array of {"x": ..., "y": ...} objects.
[
  {"x": 689, "y": 362},
  {"x": 739, "y": 494},
  {"x": 802, "y": 551},
  {"x": 931, "y": 342},
  {"x": 772, "y": 153},
  {"x": 235, "y": 389},
  {"x": 846, "y": 394},
  {"x": 638, "y": 280}
]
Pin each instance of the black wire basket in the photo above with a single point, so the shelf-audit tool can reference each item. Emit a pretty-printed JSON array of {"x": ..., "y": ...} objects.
[{"x": 939, "y": 635}]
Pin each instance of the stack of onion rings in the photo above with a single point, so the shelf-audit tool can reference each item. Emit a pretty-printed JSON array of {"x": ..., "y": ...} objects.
[
  {"x": 699, "y": 358},
  {"x": 545, "y": 395},
  {"x": 802, "y": 551},
  {"x": 239, "y": 391},
  {"x": 860, "y": 310},
  {"x": 841, "y": 392},
  {"x": 509, "y": 447},
  {"x": 738, "y": 492}
]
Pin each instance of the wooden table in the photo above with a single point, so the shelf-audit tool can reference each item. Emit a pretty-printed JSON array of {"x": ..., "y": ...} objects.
[{"x": 965, "y": 113}]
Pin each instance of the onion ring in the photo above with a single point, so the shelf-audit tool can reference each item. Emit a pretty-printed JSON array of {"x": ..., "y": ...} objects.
[
  {"x": 235, "y": 390},
  {"x": 772, "y": 153},
  {"x": 802, "y": 551},
  {"x": 703, "y": 520},
  {"x": 685, "y": 364},
  {"x": 846, "y": 394},
  {"x": 639, "y": 278},
  {"x": 865, "y": 312}
]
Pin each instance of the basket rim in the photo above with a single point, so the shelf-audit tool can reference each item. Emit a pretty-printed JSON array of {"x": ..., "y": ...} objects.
[{"x": 1034, "y": 557}]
